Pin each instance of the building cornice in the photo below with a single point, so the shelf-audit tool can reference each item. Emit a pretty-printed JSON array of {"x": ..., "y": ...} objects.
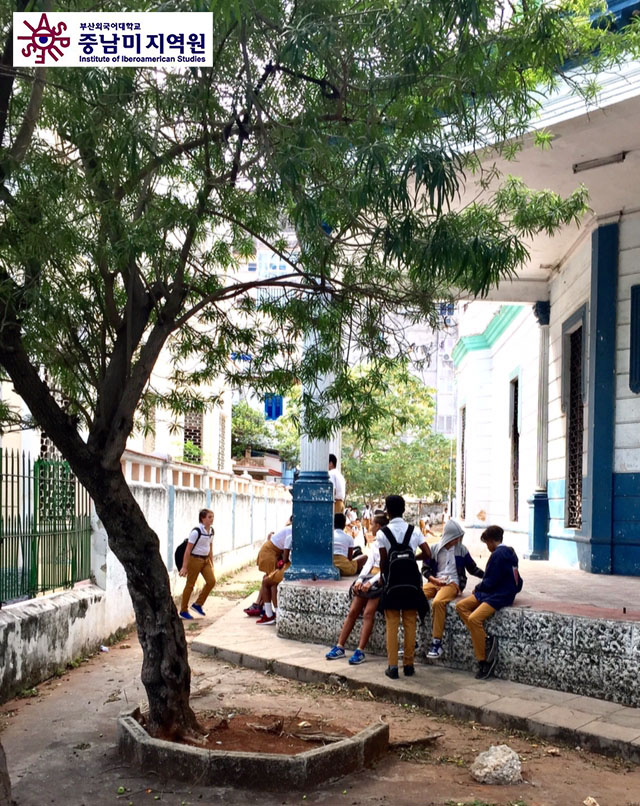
[{"x": 484, "y": 341}]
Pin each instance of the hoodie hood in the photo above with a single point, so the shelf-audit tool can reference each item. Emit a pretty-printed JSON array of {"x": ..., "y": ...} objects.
[{"x": 452, "y": 530}]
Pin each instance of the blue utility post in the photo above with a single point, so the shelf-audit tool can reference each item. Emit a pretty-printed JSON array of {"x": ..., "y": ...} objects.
[{"x": 312, "y": 548}]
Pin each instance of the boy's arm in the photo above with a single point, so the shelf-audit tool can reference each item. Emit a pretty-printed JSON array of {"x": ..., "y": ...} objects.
[
  {"x": 383, "y": 560},
  {"x": 426, "y": 552},
  {"x": 472, "y": 567}
]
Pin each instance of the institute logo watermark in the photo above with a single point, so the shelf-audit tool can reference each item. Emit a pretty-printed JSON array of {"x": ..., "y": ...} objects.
[{"x": 113, "y": 39}]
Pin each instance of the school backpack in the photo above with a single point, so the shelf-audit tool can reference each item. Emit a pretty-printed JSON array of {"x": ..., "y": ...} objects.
[
  {"x": 178, "y": 555},
  {"x": 403, "y": 582}
]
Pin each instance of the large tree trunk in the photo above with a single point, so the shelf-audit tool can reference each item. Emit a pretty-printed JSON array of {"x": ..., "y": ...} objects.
[
  {"x": 165, "y": 670},
  {"x": 5, "y": 783}
]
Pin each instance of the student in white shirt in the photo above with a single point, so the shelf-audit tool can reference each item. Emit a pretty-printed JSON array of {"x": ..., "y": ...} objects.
[
  {"x": 339, "y": 485},
  {"x": 269, "y": 589},
  {"x": 198, "y": 559},
  {"x": 363, "y": 600},
  {"x": 409, "y": 600},
  {"x": 343, "y": 546}
]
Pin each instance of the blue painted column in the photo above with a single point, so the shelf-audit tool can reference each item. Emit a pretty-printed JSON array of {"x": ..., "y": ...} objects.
[
  {"x": 539, "y": 501},
  {"x": 312, "y": 548},
  {"x": 598, "y": 483}
]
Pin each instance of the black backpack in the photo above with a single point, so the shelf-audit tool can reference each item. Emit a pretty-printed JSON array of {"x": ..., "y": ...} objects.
[
  {"x": 403, "y": 581},
  {"x": 178, "y": 555}
]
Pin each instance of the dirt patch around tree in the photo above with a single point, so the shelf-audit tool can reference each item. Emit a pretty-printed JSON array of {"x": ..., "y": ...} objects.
[{"x": 266, "y": 733}]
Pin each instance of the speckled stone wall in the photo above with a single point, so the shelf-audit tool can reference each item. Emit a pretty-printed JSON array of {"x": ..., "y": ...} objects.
[{"x": 592, "y": 657}]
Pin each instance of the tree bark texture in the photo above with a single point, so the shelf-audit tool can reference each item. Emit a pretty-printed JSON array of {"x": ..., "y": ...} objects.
[
  {"x": 165, "y": 670},
  {"x": 5, "y": 783}
]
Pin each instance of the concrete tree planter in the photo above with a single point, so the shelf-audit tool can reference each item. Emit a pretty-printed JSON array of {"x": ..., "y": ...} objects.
[{"x": 249, "y": 770}]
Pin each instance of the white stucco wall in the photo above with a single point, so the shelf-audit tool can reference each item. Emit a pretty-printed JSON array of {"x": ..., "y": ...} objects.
[
  {"x": 484, "y": 381},
  {"x": 627, "y": 428}
]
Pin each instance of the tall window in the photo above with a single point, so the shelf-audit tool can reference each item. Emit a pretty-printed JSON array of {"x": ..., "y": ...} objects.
[
  {"x": 193, "y": 437},
  {"x": 515, "y": 449},
  {"x": 463, "y": 463},
  {"x": 575, "y": 433}
]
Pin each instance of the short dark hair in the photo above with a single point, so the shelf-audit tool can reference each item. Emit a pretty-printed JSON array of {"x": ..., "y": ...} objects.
[
  {"x": 339, "y": 520},
  {"x": 394, "y": 504},
  {"x": 332, "y": 460},
  {"x": 203, "y": 514},
  {"x": 381, "y": 519},
  {"x": 494, "y": 533}
]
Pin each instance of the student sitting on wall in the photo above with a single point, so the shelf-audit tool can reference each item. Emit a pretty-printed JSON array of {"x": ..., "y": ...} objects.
[
  {"x": 269, "y": 588},
  {"x": 498, "y": 589},
  {"x": 367, "y": 590},
  {"x": 446, "y": 578},
  {"x": 343, "y": 546},
  {"x": 270, "y": 559}
]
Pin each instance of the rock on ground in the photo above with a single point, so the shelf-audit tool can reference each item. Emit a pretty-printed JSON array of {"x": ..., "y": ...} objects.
[{"x": 497, "y": 765}]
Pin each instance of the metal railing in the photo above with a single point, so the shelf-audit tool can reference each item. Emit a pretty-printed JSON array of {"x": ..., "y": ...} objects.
[{"x": 45, "y": 526}]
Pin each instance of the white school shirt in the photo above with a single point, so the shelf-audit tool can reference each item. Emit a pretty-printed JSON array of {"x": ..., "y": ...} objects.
[
  {"x": 282, "y": 539},
  {"x": 447, "y": 569},
  {"x": 373, "y": 561},
  {"x": 342, "y": 542},
  {"x": 339, "y": 485},
  {"x": 202, "y": 549},
  {"x": 398, "y": 528}
]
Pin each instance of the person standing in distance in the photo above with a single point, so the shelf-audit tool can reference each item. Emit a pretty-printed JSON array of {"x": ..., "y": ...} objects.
[{"x": 339, "y": 486}]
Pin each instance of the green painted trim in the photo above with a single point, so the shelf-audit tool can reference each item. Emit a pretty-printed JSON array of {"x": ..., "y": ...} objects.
[{"x": 483, "y": 341}]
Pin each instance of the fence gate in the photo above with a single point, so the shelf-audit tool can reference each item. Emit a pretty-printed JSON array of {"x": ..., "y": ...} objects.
[{"x": 45, "y": 527}]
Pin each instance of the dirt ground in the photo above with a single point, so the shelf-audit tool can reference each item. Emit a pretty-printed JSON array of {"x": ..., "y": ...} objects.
[{"x": 60, "y": 742}]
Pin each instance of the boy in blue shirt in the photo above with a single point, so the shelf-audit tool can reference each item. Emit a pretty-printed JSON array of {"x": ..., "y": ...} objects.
[{"x": 498, "y": 589}]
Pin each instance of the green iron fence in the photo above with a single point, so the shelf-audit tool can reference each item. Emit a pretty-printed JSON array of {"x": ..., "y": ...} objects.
[{"x": 45, "y": 526}]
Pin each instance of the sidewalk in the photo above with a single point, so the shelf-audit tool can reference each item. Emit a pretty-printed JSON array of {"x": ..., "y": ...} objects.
[{"x": 594, "y": 724}]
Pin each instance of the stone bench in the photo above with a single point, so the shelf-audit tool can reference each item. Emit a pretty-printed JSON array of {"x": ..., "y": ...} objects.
[{"x": 594, "y": 657}]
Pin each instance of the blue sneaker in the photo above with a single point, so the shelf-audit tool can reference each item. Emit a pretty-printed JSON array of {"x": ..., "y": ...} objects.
[
  {"x": 335, "y": 653},
  {"x": 198, "y": 609},
  {"x": 357, "y": 657},
  {"x": 185, "y": 615}
]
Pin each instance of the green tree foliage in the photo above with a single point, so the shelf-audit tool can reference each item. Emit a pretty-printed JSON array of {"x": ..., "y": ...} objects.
[
  {"x": 402, "y": 455},
  {"x": 248, "y": 429},
  {"x": 129, "y": 198}
]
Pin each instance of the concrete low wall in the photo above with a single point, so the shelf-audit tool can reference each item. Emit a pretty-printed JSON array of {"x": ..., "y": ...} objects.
[
  {"x": 587, "y": 656},
  {"x": 39, "y": 637}
]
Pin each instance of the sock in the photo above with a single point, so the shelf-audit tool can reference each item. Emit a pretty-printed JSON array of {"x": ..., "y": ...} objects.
[{"x": 268, "y": 609}]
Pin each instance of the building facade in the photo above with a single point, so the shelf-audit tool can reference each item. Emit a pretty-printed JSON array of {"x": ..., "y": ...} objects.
[{"x": 548, "y": 370}]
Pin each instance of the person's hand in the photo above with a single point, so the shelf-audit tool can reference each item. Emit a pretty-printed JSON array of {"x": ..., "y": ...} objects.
[
  {"x": 183, "y": 571},
  {"x": 366, "y": 586},
  {"x": 357, "y": 585}
]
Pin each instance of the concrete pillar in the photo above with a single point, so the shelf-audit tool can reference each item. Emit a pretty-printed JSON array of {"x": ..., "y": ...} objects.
[{"x": 539, "y": 501}]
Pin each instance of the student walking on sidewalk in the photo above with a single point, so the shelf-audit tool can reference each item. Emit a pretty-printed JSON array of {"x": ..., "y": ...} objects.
[{"x": 198, "y": 559}]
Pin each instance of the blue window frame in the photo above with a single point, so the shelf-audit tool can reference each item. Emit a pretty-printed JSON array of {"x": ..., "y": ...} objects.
[{"x": 273, "y": 407}]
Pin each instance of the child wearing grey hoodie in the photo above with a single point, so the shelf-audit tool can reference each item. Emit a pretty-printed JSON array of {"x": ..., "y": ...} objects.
[{"x": 446, "y": 578}]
